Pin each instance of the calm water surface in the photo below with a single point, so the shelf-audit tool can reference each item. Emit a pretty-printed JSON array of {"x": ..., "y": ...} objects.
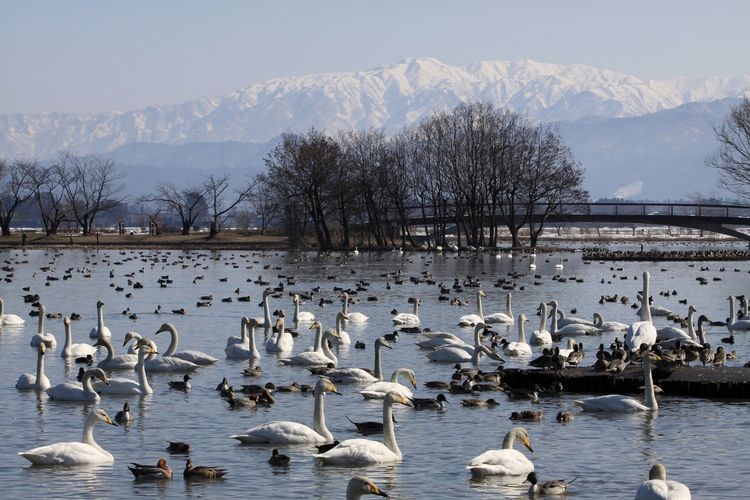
[{"x": 704, "y": 443}]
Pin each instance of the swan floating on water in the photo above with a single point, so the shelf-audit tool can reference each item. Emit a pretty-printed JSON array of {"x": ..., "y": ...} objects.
[
  {"x": 301, "y": 316},
  {"x": 40, "y": 335},
  {"x": 360, "y": 375},
  {"x": 643, "y": 331},
  {"x": 408, "y": 319},
  {"x": 112, "y": 362},
  {"x": 129, "y": 386},
  {"x": 363, "y": 452},
  {"x": 359, "y": 486},
  {"x": 478, "y": 317},
  {"x": 315, "y": 358},
  {"x": 85, "y": 452},
  {"x": 541, "y": 336},
  {"x": 197, "y": 357},
  {"x": 520, "y": 348},
  {"x": 502, "y": 317},
  {"x": 285, "y": 432},
  {"x": 71, "y": 350},
  {"x": 458, "y": 352},
  {"x": 355, "y": 317},
  {"x": 618, "y": 403},
  {"x": 283, "y": 341},
  {"x": 38, "y": 382},
  {"x": 7, "y": 319},
  {"x": 246, "y": 348},
  {"x": 736, "y": 325},
  {"x": 99, "y": 331},
  {"x": 378, "y": 390},
  {"x": 658, "y": 487},
  {"x": 82, "y": 392},
  {"x": 506, "y": 461}
]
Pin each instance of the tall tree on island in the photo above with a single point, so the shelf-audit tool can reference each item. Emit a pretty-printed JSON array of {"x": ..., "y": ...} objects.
[{"x": 14, "y": 190}]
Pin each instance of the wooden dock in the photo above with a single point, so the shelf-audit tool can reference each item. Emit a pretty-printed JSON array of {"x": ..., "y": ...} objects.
[{"x": 696, "y": 381}]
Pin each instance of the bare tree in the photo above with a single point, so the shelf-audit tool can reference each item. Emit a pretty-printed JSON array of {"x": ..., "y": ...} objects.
[
  {"x": 188, "y": 203},
  {"x": 263, "y": 205},
  {"x": 14, "y": 190},
  {"x": 46, "y": 185},
  {"x": 89, "y": 186},
  {"x": 733, "y": 157},
  {"x": 220, "y": 204}
]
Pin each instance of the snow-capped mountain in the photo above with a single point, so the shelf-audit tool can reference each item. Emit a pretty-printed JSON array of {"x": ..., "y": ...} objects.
[{"x": 390, "y": 96}]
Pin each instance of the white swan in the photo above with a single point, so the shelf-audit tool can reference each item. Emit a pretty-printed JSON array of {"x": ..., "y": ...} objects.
[
  {"x": 99, "y": 331},
  {"x": 507, "y": 461},
  {"x": 197, "y": 357},
  {"x": 643, "y": 331},
  {"x": 658, "y": 487},
  {"x": 560, "y": 266},
  {"x": 242, "y": 339},
  {"x": 408, "y": 319},
  {"x": 9, "y": 319},
  {"x": 532, "y": 264},
  {"x": 355, "y": 317},
  {"x": 86, "y": 452},
  {"x": 133, "y": 337},
  {"x": 38, "y": 382},
  {"x": 71, "y": 350},
  {"x": 112, "y": 362},
  {"x": 359, "y": 486},
  {"x": 285, "y": 432},
  {"x": 542, "y": 336},
  {"x": 82, "y": 392},
  {"x": 618, "y": 403},
  {"x": 301, "y": 316},
  {"x": 129, "y": 386},
  {"x": 360, "y": 375},
  {"x": 473, "y": 319},
  {"x": 283, "y": 341},
  {"x": 266, "y": 319},
  {"x": 247, "y": 349},
  {"x": 502, "y": 317},
  {"x": 614, "y": 326},
  {"x": 41, "y": 336},
  {"x": 671, "y": 333},
  {"x": 736, "y": 325},
  {"x": 520, "y": 348},
  {"x": 378, "y": 390},
  {"x": 458, "y": 352},
  {"x": 315, "y": 358},
  {"x": 362, "y": 452},
  {"x": 573, "y": 329},
  {"x": 438, "y": 339},
  {"x": 341, "y": 338}
]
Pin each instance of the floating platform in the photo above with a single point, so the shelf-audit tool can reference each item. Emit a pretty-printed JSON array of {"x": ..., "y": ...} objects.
[{"x": 695, "y": 381}]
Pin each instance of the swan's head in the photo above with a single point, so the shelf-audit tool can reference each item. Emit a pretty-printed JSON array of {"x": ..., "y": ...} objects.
[
  {"x": 344, "y": 296},
  {"x": 130, "y": 336},
  {"x": 147, "y": 347},
  {"x": 325, "y": 385},
  {"x": 166, "y": 327},
  {"x": 252, "y": 322},
  {"x": 410, "y": 375},
  {"x": 521, "y": 434},
  {"x": 658, "y": 471},
  {"x": 553, "y": 303},
  {"x": 316, "y": 324},
  {"x": 342, "y": 317},
  {"x": 43, "y": 309},
  {"x": 66, "y": 322},
  {"x": 359, "y": 485},
  {"x": 281, "y": 314},
  {"x": 523, "y": 318},
  {"x": 102, "y": 415},
  {"x": 267, "y": 292},
  {"x": 99, "y": 304},
  {"x": 98, "y": 373},
  {"x": 383, "y": 343},
  {"x": 295, "y": 298},
  {"x": 481, "y": 293},
  {"x": 41, "y": 348},
  {"x": 103, "y": 342},
  {"x": 394, "y": 397},
  {"x": 691, "y": 308}
]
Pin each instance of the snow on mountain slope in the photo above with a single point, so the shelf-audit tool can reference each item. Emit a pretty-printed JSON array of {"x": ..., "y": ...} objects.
[{"x": 389, "y": 96}]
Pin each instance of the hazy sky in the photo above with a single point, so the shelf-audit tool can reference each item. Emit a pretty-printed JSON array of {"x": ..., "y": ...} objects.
[{"x": 73, "y": 56}]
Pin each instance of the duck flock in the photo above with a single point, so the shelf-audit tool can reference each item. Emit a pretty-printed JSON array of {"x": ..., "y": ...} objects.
[{"x": 396, "y": 348}]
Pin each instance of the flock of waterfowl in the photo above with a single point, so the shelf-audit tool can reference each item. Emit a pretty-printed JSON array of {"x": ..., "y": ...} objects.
[{"x": 642, "y": 342}]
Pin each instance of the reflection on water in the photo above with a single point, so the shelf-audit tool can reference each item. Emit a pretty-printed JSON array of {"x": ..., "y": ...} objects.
[{"x": 611, "y": 453}]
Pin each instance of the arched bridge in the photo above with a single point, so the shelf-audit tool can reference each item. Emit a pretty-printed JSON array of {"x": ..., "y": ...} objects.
[{"x": 708, "y": 217}]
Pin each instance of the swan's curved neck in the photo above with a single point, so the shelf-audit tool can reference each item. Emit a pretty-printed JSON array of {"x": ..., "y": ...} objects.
[
  {"x": 339, "y": 321},
  {"x": 378, "y": 368},
  {"x": 346, "y": 305},
  {"x": 326, "y": 350},
  {"x": 266, "y": 312},
  {"x": 172, "y": 343},
  {"x": 141, "y": 366},
  {"x": 699, "y": 334},
  {"x": 243, "y": 332},
  {"x": 389, "y": 431},
  {"x": 645, "y": 306},
  {"x": 296, "y": 310},
  {"x": 543, "y": 320},
  {"x": 251, "y": 338},
  {"x": 553, "y": 322},
  {"x": 67, "y": 349},
  {"x": 110, "y": 351},
  {"x": 479, "y": 306},
  {"x": 478, "y": 351},
  {"x": 599, "y": 320},
  {"x": 732, "y": 311},
  {"x": 478, "y": 336},
  {"x": 40, "y": 367},
  {"x": 88, "y": 432},
  {"x": 416, "y": 308},
  {"x": 521, "y": 332},
  {"x": 319, "y": 418},
  {"x": 509, "y": 439},
  {"x": 280, "y": 333},
  {"x": 508, "y": 305},
  {"x": 648, "y": 379},
  {"x": 100, "y": 321},
  {"x": 397, "y": 374},
  {"x": 2, "y": 308},
  {"x": 40, "y": 330},
  {"x": 88, "y": 387}
]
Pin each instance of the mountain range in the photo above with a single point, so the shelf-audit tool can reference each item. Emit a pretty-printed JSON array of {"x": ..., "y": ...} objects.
[{"x": 627, "y": 132}]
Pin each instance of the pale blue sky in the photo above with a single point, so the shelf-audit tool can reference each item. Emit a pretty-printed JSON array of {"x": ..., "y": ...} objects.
[{"x": 86, "y": 55}]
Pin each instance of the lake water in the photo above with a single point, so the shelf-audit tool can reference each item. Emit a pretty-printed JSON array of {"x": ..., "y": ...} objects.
[{"x": 704, "y": 443}]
